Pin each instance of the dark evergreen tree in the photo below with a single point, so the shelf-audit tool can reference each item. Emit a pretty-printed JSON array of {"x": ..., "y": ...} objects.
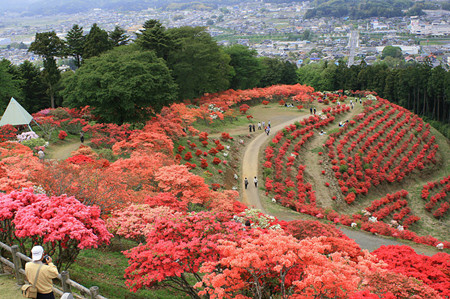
[
  {"x": 97, "y": 42},
  {"x": 154, "y": 37},
  {"x": 75, "y": 43},
  {"x": 118, "y": 37},
  {"x": 49, "y": 46},
  {"x": 198, "y": 64}
]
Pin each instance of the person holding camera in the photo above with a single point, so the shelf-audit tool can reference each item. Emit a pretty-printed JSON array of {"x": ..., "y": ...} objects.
[{"x": 40, "y": 272}]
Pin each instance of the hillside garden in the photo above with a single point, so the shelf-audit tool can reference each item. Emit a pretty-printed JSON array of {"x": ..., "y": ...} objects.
[{"x": 152, "y": 210}]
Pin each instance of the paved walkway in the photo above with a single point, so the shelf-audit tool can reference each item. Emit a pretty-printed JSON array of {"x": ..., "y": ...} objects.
[{"x": 250, "y": 197}]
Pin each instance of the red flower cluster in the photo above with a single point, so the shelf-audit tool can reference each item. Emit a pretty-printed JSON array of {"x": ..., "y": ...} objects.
[
  {"x": 441, "y": 190},
  {"x": 431, "y": 270},
  {"x": 62, "y": 135}
]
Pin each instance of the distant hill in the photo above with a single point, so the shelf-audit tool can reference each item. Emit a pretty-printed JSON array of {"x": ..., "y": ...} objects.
[
  {"x": 50, "y": 7},
  {"x": 358, "y": 9}
]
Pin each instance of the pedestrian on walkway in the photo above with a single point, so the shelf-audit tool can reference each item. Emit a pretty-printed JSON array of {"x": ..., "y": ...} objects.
[
  {"x": 314, "y": 110},
  {"x": 255, "y": 180},
  {"x": 268, "y": 123},
  {"x": 82, "y": 137},
  {"x": 246, "y": 183},
  {"x": 250, "y": 128},
  {"x": 310, "y": 110},
  {"x": 41, "y": 155},
  {"x": 253, "y": 127},
  {"x": 259, "y": 125},
  {"x": 263, "y": 124}
]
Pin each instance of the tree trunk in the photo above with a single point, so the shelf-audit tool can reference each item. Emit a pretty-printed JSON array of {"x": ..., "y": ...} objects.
[{"x": 52, "y": 100}]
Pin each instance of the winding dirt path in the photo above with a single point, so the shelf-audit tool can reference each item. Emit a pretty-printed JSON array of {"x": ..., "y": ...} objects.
[
  {"x": 250, "y": 196},
  {"x": 63, "y": 152}
]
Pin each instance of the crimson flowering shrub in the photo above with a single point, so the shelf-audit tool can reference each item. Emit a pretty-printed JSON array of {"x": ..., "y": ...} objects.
[
  {"x": 106, "y": 135},
  {"x": 216, "y": 161},
  {"x": 73, "y": 126},
  {"x": 80, "y": 160},
  {"x": 244, "y": 108},
  {"x": 203, "y": 163},
  {"x": 433, "y": 271},
  {"x": 62, "y": 135},
  {"x": 203, "y": 136},
  {"x": 302, "y": 229},
  {"x": 61, "y": 224},
  {"x": 7, "y": 132},
  {"x": 225, "y": 136},
  {"x": 188, "y": 156},
  {"x": 435, "y": 193}
]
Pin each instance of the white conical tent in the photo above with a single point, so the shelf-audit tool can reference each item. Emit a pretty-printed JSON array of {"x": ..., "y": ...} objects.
[{"x": 15, "y": 114}]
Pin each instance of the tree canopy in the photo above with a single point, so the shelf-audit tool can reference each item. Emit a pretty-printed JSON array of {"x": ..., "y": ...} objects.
[
  {"x": 96, "y": 42},
  {"x": 121, "y": 85},
  {"x": 10, "y": 85},
  {"x": 247, "y": 67},
  {"x": 198, "y": 64},
  {"x": 391, "y": 51}
]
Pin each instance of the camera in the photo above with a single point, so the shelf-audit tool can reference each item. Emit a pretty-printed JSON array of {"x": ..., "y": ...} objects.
[{"x": 45, "y": 259}]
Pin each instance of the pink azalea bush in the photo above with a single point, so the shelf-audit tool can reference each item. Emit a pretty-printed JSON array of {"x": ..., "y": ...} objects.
[{"x": 61, "y": 224}]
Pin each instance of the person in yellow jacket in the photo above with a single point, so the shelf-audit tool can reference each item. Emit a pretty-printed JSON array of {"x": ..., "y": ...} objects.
[{"x": 47, "y": 272}]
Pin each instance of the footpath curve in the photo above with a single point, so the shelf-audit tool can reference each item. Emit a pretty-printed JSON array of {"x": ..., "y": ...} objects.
[{"x": 250, "y": 196}]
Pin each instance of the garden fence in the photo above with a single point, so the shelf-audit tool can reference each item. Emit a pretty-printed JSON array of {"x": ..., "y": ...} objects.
[{"x": 66, "y": 282}]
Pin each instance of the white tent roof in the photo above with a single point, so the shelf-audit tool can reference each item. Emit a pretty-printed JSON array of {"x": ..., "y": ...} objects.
[{"x": 15, "y": 114}]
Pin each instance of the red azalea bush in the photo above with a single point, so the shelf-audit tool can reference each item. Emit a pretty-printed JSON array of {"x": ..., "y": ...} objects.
[
  {"x": 225, "y": 136},
  {"x": 216, "y": 161},
  {"x": 277, "y": 264},
  {"x": 188, "y": 156},
  {"x": 62, "y": 135},
  {"x": 7, "y": 132},
  {"x": 80, "y": 160},
  {"x": 433, "y": 271},
  {"x": 302, "y": 229},
  {"x": 203, "y": 163},
  {"x": 177, "y": 246},
  {"x": 244, "y": 108},
  {"x": 107, "y": 135},
  {"x": 265, "y": 102}
]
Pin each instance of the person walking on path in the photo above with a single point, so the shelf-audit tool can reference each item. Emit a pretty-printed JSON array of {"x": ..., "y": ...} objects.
[
  {"x": 268, "y": 124},
  {"x": 263, "y": 124},
  {"x": 250, "y": 128},
  {"x": 255, "y": 180},
  {"x": 246, "y": 183},
  {"x": 253, "y": 127},
  {"x": 314, "y": 110},
  {"x": 41, "y": 155},
  {"x": 82, "y": 137},
  {"x": 40, "y": 272},
  {"x": 310, "y": 110},
  {"x": 259, "y": 125}
]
